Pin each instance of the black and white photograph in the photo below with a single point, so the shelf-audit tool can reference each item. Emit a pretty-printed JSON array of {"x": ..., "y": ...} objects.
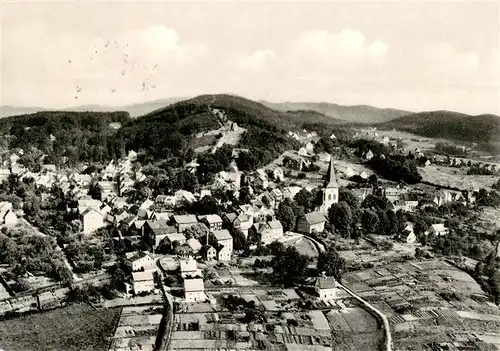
[{"x": 249, "y": 175}]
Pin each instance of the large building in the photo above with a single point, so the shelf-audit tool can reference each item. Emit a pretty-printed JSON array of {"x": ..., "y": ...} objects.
[{"x": 330, "y": 189}]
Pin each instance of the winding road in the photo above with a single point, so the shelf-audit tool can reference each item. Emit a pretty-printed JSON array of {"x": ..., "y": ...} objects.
[{"x": 381, "y": 316}]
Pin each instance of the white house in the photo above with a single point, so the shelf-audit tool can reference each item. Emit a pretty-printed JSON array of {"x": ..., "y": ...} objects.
[
  {"x": 225, "y": 244},
  {"x": 438, "y": 229},
  {"x": 310, "y": 148},
  {"x": 325, "y": 287},
  {"x": 143, "y": 281},
  {"x": 140, "y": 261},
  {"x": 189, "y": 268},
  {"x": 369, "y": 155},
  {"x": 92, "y": 220},
  {"x": 270, "y": 231},
  {"x": 408, "y": 236},
  {"x": 442, "y": 197},
  {"x": 312, "y": 222},
  {"x": 194, "y": 290},
  {"x": 213, "y": 222}
]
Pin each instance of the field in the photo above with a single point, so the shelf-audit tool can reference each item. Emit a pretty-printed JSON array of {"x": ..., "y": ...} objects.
[
  {"x": 429, "y": 301},
  {"x": 455, "y": 178},
  {"x": 78, "y": 327}
]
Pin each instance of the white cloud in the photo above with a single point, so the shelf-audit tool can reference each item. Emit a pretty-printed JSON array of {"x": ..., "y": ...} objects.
[
  {"x": 346, "y": 44},
  {"x": 258, "y": 59},
  {"x": 377, "y": 49}
]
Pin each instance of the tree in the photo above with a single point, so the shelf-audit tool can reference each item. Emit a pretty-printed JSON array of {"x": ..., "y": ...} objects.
[
  {"x": 239, "y": 240},
  {"x": 369, "y": 221},
  {"x": 348, "y": 196},
  {"x": 331, "y": 263},
  {"x": 304, "y": 198},
  {"x": 245, "y": 196},
  {"x": 340, "y": 217},
  {"x": 286, "y": 216},
  {"x": 290, "y": 267}
]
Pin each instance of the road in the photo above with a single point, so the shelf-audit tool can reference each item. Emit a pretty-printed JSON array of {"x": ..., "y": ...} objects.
[{"x": 385, "y": 321}]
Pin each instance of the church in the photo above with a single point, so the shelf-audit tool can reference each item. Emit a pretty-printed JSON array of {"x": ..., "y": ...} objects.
[{"x": 330, "y": 189}]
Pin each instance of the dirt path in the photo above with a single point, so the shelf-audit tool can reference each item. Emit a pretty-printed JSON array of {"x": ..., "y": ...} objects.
[{"x": 385, "y": 321}]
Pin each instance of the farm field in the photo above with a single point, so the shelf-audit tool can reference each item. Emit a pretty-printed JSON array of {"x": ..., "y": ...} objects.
[
  {"x": 78, "y": 327},
  {"x": 455, "y": 178}
]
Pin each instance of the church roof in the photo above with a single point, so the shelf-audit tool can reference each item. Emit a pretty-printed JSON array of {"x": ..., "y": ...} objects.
[{"x": 331, "y": 178}]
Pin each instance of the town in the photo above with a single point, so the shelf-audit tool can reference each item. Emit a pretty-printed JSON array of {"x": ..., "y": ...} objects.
[{"x": 351, "y": 239}]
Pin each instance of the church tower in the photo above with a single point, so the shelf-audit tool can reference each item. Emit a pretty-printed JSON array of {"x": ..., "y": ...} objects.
[{"x": 330, "y": 189}]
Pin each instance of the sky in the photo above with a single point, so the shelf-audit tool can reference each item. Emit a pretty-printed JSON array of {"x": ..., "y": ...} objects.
[{"x": 409, "y": 55}]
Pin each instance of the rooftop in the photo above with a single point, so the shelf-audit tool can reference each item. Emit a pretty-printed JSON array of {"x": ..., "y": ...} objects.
[
  {"x": 193, "y": 285},
  {"x": 222, "y": 235},
  {"x": 315, "y": 217},
  {"x": 185, "y": 219},
  {"x": 142, "y": 276}
]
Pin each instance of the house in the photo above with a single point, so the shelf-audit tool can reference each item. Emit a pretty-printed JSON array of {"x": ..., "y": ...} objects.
[
  {"x": 325, "y": 287},
  {"x": 126, "y": 224},
  {"x": 277, "y": 172},
  {"x": 92, "y": 220},
  {"x": 7, "y": 216},
  {"x": 147, "y": 204},
  {"x": 194, "y": 244},
  {"x": 205, "y": 192},
  {"x": 369, "y": 155},
  {"x": 312, "y": 222},
  {"x": 290, "y": 160},
  {"x": 408, "y": 236},
  {"x": 213, "y": 222},
  {"x": 310, "y": 148},
  {"x": 184, "y": 197},
  {"x": 107, "y": 189},
  {"x": 140, "y": 261},
  {"x": 277, "y": 196},
  {"x": 268, "y": 232},
  {"x": 407, "y": 202},
  {"x": 392, "y": 193},
  {"x": 242, "y": 221},
  {"x": 208, "y": 253},
  {"x": 189, "y": 268},
  {"x": 437, "y": 229},
  {"x": 349, "y": 172},
  {"x": 229, "y": 180},
  {"x": 194, "y": 290},
  {"x": 442, "y": 197},
  {"x": 184, "y": 221},
  {"x": 143, "y": 282},
  {"x": 290, "y": 191},
  {"x": 260, "y": 179},
  {"x": 224, "y": 242},
  {"x": 170, "y": 238},
  {"x": 155, "y": 231},
  {"x": 362, "y": 193},
  {"x": 161, "y": 199},
  {"x": 303, "y": 152},
  {"x": 85, "y": 203}
]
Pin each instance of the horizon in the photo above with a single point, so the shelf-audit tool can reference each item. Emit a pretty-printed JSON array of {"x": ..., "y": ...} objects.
[
  {"x": 180, "y": 99},
  {"x": 120, "y": 54}
]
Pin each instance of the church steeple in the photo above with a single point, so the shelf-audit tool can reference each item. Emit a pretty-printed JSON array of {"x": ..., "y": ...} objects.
[
  {"x": 330, "y": 188},
  {"x": 331, "y": 178}
]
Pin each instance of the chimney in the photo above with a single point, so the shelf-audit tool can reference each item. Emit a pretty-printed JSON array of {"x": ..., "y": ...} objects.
[{"x": 323, "y": 274}]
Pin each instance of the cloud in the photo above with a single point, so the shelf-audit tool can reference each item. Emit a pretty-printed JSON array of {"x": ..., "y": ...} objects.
[
  {"x": 377, "y": 49},
  {"x": 258, "y": 59},
  {"x": 447, "y": 55},
  {"x": 347, "y": 44}
]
